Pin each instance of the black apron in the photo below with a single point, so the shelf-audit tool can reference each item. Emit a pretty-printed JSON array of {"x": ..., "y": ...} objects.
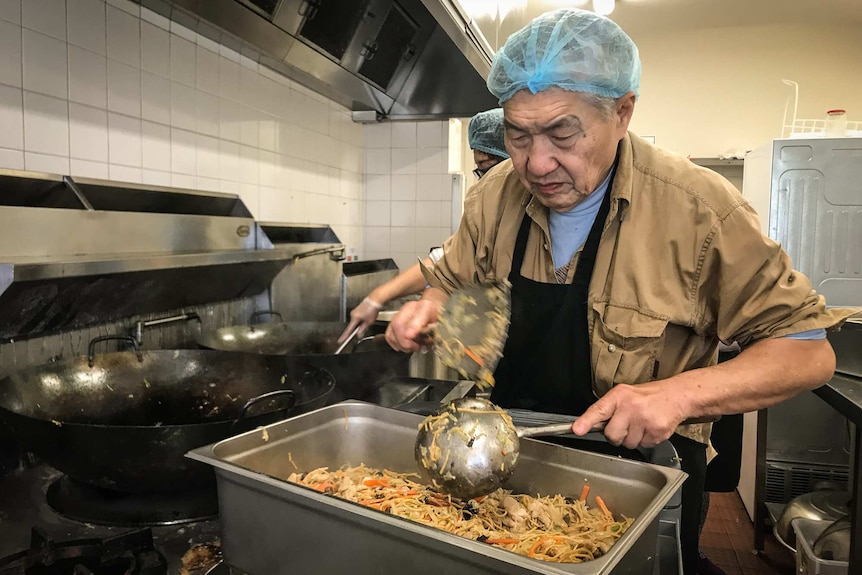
[
  {"x": 546, "y": 367},
  {"x": 546, "y": 360}
]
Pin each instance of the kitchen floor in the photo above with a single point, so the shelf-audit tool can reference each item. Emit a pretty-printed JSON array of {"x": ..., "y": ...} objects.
[{"x": 728, "y": 539}]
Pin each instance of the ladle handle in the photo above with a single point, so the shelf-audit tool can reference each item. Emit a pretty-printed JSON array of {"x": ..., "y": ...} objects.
[
  {"x": 564, "y": 428},
  {"x": 552, "y": 429}
]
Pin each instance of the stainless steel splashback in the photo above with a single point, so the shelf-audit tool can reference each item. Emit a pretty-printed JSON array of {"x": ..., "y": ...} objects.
[
  {"x": 309, "y": 287},
  {"x": 40, "y": 350}
]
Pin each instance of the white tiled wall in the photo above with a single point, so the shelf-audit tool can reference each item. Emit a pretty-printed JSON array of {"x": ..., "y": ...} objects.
[
  {"x": 408, "y": 200},
  {"x": 111, "y": 90}
]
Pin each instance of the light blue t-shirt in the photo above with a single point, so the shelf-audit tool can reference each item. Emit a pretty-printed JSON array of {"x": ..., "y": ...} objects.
[{"x": 569, "y": 231}]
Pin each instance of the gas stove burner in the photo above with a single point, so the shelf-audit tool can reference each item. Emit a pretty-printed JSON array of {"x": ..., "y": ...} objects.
[
  {"x": 127, "y": 554},
  {"x": 82, "y": 502}
]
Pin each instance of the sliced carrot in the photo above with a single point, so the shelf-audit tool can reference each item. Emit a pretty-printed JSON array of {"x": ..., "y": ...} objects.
[
  {"x": 502, "y": 541},
  {"x": 584, "y": 492},
  {"x": 535, "y": 546},
  {"x": 601, "y": 503},
  {"x": 479, "y": 499},
  {"x": 376, "y": 483},
  {"x": 472, "y": 355}
]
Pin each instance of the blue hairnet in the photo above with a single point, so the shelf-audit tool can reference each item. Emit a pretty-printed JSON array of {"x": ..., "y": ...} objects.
[
  {"x": 571, "y": 49},
  {"x": 485, "y": 133}
]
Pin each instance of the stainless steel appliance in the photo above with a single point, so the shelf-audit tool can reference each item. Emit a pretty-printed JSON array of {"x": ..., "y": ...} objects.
[
  {"x": 29, "y": 502},
  {"x": 82, "y": 259},
  {"x": 405, "y": 58},
  {"x": 808, "y": 193},
  {"x": 274, "y": 527},
  {"x": 308, "y": 288}
]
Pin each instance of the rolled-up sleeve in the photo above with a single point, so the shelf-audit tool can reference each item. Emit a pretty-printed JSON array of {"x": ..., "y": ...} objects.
[{"x": 747, "y": 289}]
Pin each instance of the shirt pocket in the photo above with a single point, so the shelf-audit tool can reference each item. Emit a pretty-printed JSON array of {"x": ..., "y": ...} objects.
[{"x": 625, "y": 344}]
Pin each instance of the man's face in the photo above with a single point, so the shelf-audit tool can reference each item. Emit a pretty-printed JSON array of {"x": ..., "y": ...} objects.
[
  {"x": 563, "y": 146},
  {"x": 485, "y": 161}
]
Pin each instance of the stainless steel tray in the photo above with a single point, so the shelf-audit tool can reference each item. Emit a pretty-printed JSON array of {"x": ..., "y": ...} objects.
[{"x": 271, "y": 527}]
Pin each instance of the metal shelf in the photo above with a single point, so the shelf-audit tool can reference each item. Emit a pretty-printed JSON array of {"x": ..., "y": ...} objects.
[{"x": 717, "y": 162}]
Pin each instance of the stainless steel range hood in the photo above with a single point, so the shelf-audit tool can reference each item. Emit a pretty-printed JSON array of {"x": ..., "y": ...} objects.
[
  {"x": 79, "y": 252},
  {"x": 407, "y": 59}
]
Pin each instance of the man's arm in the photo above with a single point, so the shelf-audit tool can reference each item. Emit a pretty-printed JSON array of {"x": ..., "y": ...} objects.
[
  {"x": 746, "y": 291},
  {"x": 766, "y": 373},
  {"x": 406, "y": 283}
]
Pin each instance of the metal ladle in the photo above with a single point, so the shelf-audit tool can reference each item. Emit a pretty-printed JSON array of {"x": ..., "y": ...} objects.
[{"x": 470, "y": 446}]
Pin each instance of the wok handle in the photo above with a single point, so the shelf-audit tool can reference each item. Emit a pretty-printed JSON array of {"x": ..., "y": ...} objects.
[
  {"x": 291, "y": 401},
  {"x": 91, "y": 348},
  {"x": 257, "y": 314},
  {"x": 368, "y": 338}
]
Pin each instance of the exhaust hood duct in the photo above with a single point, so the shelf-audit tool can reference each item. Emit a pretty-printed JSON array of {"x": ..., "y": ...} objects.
[{"x": 403, "y": 59}]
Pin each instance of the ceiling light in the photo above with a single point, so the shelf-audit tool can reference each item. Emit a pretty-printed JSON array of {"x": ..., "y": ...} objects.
[
  {"x": 603, "y": 7},
  {"x": 564, "y": 3},
  {"x": 483, "y": 8}
]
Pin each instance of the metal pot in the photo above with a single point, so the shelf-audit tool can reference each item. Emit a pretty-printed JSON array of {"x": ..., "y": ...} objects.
[
  {"x": 124, "y": 421},
  {"x": 359, "y": 370},
  {"x": 819, "y": 505}
]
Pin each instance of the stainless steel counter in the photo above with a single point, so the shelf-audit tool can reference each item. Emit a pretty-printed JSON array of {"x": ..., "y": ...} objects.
[{"x": 844, "y": 393}]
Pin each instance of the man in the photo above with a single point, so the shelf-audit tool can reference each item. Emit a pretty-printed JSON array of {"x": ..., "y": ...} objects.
[
  {"x": 628, "y": 263},
  {"x": 486, "y": 139}
]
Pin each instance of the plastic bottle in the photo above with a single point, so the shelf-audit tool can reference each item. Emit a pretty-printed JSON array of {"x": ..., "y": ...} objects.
[{"x": 836, "y": 124}]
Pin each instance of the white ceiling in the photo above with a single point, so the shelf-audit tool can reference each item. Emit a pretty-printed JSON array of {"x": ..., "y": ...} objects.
[{"x": 640, "y": 17}]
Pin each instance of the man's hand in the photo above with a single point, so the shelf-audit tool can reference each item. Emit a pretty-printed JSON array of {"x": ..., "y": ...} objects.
[
  {"x": 637, "y": 415},
  {"x": 414, "y": 320}
]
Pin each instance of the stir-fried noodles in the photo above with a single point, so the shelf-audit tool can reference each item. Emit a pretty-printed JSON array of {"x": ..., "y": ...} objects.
[{"x": 552, "y": 528}]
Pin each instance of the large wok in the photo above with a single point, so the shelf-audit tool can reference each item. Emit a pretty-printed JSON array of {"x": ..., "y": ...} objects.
[
  {"x": 124, "y": 421},
  {"x": 359, "y": 370}
]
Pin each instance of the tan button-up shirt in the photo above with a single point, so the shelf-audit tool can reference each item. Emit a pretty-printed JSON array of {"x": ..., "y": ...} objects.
[{"x": 682, "y": 264}]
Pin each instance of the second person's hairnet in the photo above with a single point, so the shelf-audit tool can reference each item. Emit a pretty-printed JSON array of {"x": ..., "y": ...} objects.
[{"x": 486, "y": 134}]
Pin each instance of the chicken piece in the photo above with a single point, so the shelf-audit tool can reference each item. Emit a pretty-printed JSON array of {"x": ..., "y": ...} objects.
[{"x": 517, "y": 515}]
